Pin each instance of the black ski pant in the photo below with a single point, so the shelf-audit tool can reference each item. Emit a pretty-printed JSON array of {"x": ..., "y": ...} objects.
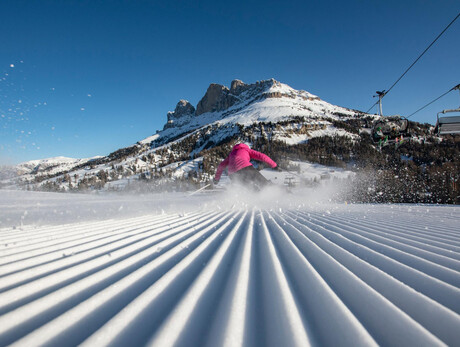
[{"x": 249, "y": 176}]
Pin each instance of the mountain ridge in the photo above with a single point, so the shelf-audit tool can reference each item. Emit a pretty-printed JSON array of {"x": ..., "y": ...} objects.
[
  {"x": 221, "y": 113},
  {"x": 289, "y": 125},
  {"x": 216, "y": 107}
]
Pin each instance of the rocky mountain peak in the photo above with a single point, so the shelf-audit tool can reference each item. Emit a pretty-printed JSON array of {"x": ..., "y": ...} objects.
[
  {"x": 220, "y": 98},
  {"x": 183, "y": 109},
  {"x": 238, "y": 86},
  {"x": 217, "y": 98}
]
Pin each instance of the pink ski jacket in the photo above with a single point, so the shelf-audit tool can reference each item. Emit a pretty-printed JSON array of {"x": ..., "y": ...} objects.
[{"x": 239, "y": 158}]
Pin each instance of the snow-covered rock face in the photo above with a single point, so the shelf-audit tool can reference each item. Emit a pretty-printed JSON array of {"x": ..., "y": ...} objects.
[
  {"x": 220, "y": 98},
  {"x": 217, "y": 98},
  {"x": 221, "y": 101},
  {"x": 184, "y": 110},
  {"x": 245, "y": 104},
  {"x": 238, "y": 86}
]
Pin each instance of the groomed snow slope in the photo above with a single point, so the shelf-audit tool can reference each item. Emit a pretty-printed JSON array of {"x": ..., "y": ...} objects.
[{"x": 315, "y": 274}]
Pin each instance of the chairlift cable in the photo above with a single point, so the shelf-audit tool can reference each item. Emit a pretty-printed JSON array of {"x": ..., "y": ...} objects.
[
  {"x": 431, "y": 44},
  {"x": 372, "y": 107},
  {"x": 416, "y": 60},
  {"x": 439, "y": 97}
]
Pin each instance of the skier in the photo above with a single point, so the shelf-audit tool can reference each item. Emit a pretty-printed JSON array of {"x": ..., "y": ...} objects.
[{"x": 240, "y": 169}]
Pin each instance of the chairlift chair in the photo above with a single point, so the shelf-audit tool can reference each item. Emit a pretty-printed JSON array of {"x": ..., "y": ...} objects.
[
  {"x": 446, "y": 125},
  {"x": 390, "y": 130}
]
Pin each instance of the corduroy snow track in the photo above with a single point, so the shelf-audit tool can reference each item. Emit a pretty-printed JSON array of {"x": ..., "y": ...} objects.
[{"x": 329, "y": 275}]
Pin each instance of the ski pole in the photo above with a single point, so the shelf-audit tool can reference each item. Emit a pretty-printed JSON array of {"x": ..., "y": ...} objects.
[{"x": 199, "y": 190}]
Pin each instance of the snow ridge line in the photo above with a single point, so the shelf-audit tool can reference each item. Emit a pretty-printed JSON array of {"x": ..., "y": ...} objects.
[
  {"x": 153, "y": 258},
  {"x": 407, "y": 231},
  {"x": 163, "y": 295},
  {"x": 95, "y": 254},
  {"x": 359, "y": 297},
  {"x": 180, "y": 325},
  {"x": 435, "y": 254},
  {"x": 438, "y": 290},
  {"x": 410, "y": 220},
  {"x": 282, "y": 313},
  {"x": 231, "y": 326},
  {"x": 428, "y": 312},
  {"x": 111, "y": 239},
  {"x": 233, "y": 277},
  {"x": 83, "y": 239},
  {"x": 33, "y": 233},
  {"x": 330, "y": 312},
  {"x": 83, "y": 268},
  {"x": 397, "y": 252}
]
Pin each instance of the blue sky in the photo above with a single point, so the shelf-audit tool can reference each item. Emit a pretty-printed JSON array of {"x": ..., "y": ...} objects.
[{"x": 84, "y": 78}]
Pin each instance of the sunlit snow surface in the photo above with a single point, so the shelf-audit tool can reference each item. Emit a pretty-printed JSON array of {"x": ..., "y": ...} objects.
[{"x": 226, "y": 268}]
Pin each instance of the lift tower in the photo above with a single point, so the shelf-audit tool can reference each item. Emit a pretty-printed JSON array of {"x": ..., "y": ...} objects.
[{"x": 380, "y": 95}]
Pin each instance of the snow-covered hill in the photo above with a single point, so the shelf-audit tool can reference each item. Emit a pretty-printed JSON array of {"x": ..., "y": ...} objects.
[
  {"x": 268, "y": 109},
  {"x": 218, "y": 270},
  {"x": 51, "y": 165}
]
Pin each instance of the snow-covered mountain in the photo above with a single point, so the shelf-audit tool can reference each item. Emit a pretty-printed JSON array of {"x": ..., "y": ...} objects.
[
  {"x": 51, "y": 165},
  {"x": 267, "y": 110},
  {"x": 245, "y": 104}
]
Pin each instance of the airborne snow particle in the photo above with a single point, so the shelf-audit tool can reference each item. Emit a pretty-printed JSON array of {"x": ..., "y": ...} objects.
[
  {"x": 11, "y": 65},
  {"x": 82, "y": 109}
]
